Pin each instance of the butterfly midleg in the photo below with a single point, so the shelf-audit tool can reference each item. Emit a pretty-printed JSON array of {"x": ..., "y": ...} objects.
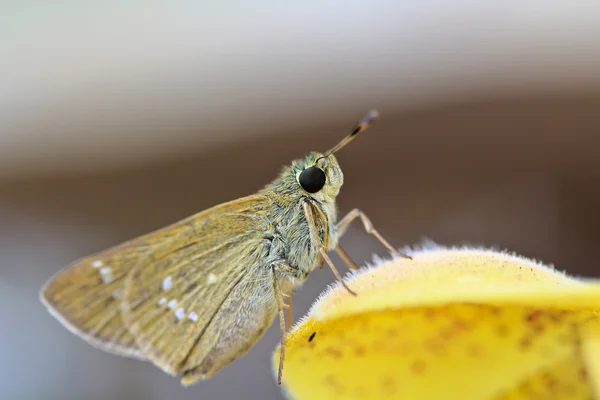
[
  {"x": 351, "y": 216},
  {"x": 290, "y": 311},
  {"x": 281, "y": 306}
]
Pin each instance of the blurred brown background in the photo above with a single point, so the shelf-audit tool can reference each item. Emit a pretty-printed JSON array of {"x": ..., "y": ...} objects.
[{"x": 117, "y": 122}]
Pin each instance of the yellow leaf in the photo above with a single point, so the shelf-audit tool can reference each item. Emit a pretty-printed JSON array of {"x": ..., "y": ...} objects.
[{"x": 461, "y": 324}]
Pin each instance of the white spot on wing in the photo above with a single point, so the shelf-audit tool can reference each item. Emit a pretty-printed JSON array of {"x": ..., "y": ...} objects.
[
  {"x": 172, "y": 304},
  {"x": 193, "y": 316},
  {"x": 97, "y": 264},
  {"x": 180, "y": 313},
  {"x": 162, "y": 302},
  {"x": 117, "y": 293},
  {"x": 167, "y": 283},
  {"x": 106, "y": 274},
  {"x": 212, "y": 278}
]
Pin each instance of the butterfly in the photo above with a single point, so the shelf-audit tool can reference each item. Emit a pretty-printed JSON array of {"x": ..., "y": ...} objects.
[{"x": 196, "y": 295}]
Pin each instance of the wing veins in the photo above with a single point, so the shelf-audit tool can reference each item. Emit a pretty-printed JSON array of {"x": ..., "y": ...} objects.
[
  {"x": 184, "y": 263},
  {"x": 184, "y": 361},
  {"x": 159, "y": 313}
]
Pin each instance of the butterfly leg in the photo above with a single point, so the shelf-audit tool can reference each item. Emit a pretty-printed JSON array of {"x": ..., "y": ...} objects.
[
  {"x": 290, "y": 311},
  {"x": 322, "y": 246},
  {"x": 308, "y": 212},
  {"x": 335, "y": 271},
  {"x": 282, "y": 323},
  {"x": 344, "y": 256},
  {"x": 320, "y": 261},
  {"x": 352, "y": 215}
]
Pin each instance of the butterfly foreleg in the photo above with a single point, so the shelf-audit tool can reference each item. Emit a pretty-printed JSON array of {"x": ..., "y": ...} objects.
[
  {"x": 322, "y": 247},
  {"x": 281, "y": 306},
  {"x": 314, "y": 235}
]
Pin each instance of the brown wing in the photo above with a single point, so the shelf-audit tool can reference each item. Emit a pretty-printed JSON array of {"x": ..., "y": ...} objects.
[
  {"x": 86, "y": 296},
  {"x": 170, "y": 299}
]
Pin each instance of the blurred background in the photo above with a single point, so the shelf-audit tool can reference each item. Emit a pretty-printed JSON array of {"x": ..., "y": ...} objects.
[{"x": 119, "y": 118}]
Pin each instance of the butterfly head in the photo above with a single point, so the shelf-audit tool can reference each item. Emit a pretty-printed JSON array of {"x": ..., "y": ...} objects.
[{"x": 319, "y": 176}]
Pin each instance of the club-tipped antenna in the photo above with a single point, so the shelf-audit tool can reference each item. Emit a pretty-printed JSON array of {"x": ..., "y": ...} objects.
[{"x": 361, "y": 126}]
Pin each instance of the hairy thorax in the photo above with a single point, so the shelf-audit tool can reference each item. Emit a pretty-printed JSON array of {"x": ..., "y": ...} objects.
[{"x": 293, "y": 244}]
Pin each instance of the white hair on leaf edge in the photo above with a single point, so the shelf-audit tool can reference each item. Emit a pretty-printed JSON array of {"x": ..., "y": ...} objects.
[{"x": 425, "y": 246}]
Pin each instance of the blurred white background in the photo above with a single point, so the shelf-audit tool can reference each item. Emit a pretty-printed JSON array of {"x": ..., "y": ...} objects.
[
  {"x": 118, "y": 118},
  {"x": 87, "y": 81}
]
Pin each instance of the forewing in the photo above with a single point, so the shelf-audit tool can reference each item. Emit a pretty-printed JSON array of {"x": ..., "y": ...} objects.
[
  {"x": 85, "y": 297},
  {"x": 172, "y": 296}
]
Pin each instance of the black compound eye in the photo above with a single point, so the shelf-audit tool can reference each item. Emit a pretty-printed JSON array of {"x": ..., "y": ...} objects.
[{"x": 312, "y": 179}]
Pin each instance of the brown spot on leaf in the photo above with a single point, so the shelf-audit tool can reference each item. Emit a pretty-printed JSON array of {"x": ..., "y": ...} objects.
[
  {"x": 497, "y": 310},
  {"x": 473, "y": 350},
  {"x": 502, "y": 330},
  {"x": 435, "y": 346},
  {"x": 335, "y": 353},
  {"x": 388, "y": 385},
  {"x": 460, "y": 325},
  {"x": 525, "y": 343},
  {"x": 331, "y": 381},
  {"x": 418, "y": 367},
  {"x": 360, "y": 351},
  {"x": 533, "y": 316},
  {"x": 583, "y": 373}
]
